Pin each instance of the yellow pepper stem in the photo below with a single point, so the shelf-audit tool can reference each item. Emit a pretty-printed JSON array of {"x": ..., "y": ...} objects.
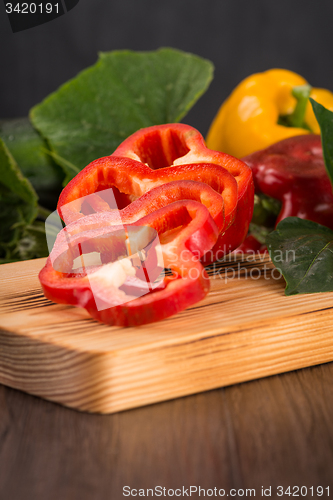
[{"x": 296, "y": 119}]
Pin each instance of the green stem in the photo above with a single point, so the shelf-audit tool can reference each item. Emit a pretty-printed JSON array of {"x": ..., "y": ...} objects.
[
  {"x": 302, "y": 94},
  {"x": 296, "y": 118}
]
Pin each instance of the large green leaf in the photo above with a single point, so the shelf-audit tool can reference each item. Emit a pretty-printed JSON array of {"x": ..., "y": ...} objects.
[
  {"x": 29, "y": 150},
  {"x": 303, "y": 251},
  {"x": 325, "y": 119},
  {"x": 92, "y": 114}
]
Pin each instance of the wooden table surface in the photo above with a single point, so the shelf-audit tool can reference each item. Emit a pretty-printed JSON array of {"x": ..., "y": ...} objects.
[{"x": 276, "y": 431}]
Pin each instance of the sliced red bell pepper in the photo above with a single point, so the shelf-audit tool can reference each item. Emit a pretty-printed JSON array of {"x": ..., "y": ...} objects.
[
  {"x": 157, "y": 156},
  {"x": 153, "y": 200},
  {"x": 186, "y": 232}
]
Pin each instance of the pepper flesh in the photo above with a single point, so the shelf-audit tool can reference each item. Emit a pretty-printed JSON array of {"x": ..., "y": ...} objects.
[
  {"x": 186, "y": 231},
  {"x": 156, "y": 156},
  {"x": 293, "y": 171},
  {"x": 248, "y": 120}
]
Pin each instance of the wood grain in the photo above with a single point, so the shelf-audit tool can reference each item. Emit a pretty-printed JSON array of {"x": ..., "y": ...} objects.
[
  {"x": 245, "y": 329},
  {"x": 268, "y": 432}
]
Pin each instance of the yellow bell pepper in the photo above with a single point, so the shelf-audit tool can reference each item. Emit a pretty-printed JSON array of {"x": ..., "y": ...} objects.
[{"x": 248, "y": 120}]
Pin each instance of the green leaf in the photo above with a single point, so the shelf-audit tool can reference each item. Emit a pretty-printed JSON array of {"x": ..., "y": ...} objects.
[
  {"x": 303, "y": 251},
  {"x": 18, "y": 202},
  {"x": 92, "y": 114},
  {"x": 325, "y": 119},
  {"x": 12, "y": 177},
  {"x": 29, "y": 150},
  {"x": 68, "y": 167}
]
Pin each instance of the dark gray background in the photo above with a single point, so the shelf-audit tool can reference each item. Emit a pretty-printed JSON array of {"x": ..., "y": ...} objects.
[{"x": 240, "y": 37}]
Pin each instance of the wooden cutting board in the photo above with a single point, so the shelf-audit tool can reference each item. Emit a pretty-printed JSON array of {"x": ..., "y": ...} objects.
[{"x": 244, "y": 329}]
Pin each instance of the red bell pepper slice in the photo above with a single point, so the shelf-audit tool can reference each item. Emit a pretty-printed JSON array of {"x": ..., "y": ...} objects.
[
  {"x": 156, "y": 156},
  {"x": 131, "y": 180},
  {"x": 186, "y": 232},
  {"x": 153, "y": 200}
]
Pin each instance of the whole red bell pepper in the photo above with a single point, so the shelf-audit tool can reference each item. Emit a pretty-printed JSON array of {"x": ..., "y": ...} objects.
[
  {"x": 160, "y": 156},
  {"x": 186, "y": 232},
  {"x": 293, "y": 171}
]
